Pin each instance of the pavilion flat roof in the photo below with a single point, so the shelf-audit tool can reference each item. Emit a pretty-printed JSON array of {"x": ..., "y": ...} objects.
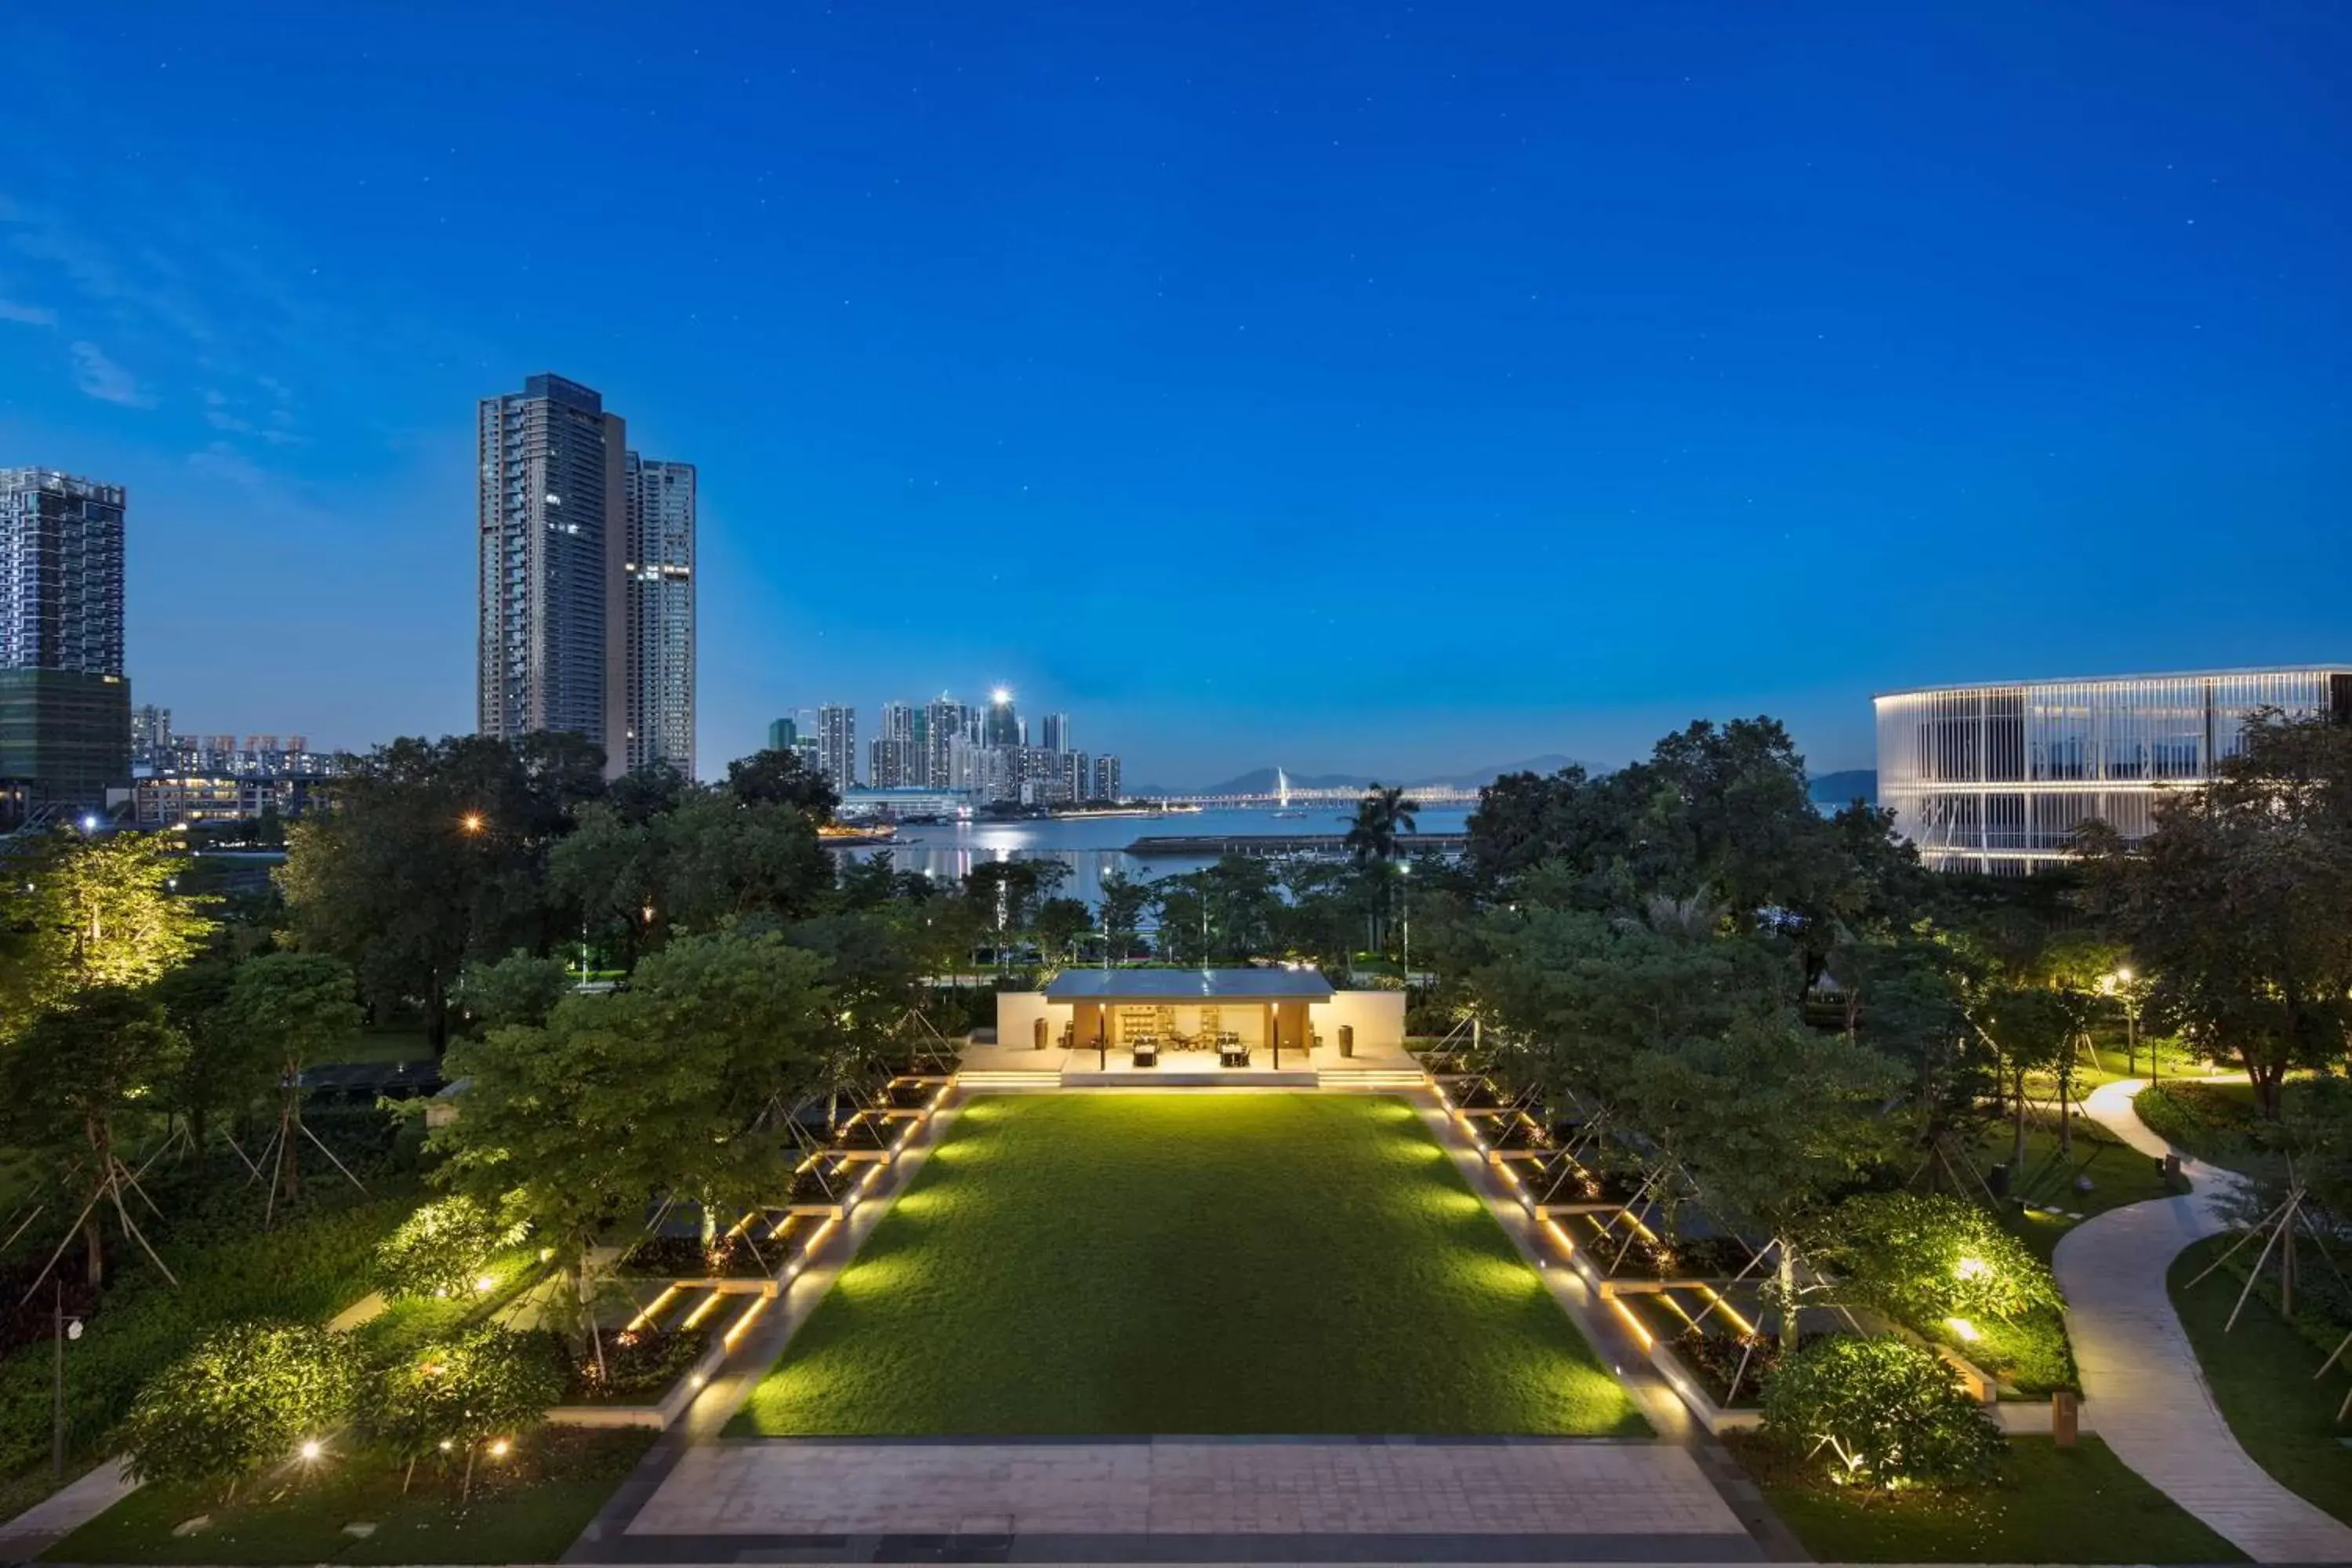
[{"x": 1187, "y": 985}]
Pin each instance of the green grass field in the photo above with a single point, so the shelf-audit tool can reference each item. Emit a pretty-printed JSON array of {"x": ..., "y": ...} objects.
[
  {"x": 2051, "y": 1505},
  {"x": 1291, "y": 1263},
  {"x": 2261, "y": 1374}
]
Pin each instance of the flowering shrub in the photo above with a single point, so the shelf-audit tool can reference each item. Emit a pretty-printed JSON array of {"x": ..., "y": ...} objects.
[{"x": 1885, "y": 1412}]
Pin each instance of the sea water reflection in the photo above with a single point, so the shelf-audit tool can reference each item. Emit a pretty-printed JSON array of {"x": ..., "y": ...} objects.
[{"x": 1094, "y": 846}]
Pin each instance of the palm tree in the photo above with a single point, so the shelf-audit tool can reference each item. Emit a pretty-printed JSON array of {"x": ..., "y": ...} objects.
[{"x": 1382, "y": 817}]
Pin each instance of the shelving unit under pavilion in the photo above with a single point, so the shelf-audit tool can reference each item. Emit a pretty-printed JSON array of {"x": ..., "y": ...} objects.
[{"x": 1185, "y": 1009}]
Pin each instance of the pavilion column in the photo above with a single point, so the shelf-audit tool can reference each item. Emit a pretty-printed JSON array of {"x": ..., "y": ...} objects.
[{"x": 1274, "y": 1033}]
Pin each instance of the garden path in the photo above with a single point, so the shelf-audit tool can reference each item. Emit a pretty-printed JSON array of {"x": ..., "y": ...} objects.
[{"x": 2146, "y": 1396}]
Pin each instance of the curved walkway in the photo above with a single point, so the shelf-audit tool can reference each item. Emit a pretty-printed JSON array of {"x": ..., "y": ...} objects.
[{"x": 2146, "y": 1393}]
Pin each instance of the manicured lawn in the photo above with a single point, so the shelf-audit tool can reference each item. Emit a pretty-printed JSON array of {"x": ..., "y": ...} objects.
[
  {"x": 1295, "y": 1263},
  {"x": 2261, "y": 1374},
  {"x": 526, "y": 1510},
  {"x": 2118, "y": 1174},
  {"x": 2054, "y": 1505},
  {"x": 2217, "y": 1121}
]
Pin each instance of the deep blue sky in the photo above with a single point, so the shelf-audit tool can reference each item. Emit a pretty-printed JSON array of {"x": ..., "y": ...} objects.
[{"x": 1343, "y": 386}]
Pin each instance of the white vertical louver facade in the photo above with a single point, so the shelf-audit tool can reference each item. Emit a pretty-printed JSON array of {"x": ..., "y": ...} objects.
[{"x": 1996, "y": 778}]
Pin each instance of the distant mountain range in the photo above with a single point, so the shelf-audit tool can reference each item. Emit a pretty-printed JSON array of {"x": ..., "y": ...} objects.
[
  {"x": 1840, "y": 788},
  {"x": 1261, "y": 781}
]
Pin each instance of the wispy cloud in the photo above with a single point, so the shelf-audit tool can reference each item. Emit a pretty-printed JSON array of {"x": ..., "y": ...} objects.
[
  {"x": 26, "y": 315},
  {"x": 103, "y": 379}
]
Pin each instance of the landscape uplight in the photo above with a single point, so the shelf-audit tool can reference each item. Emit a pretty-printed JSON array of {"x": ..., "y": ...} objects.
[
  {"x": 1970, "y": 1268},
  {"x": 471, "y": 822},
  {"x": 499, "y": 1448},
  {"x": 309, "y": 1448},
  {"x": 485, "y": 1284},
  {"x": 1962, "y": 1327}
]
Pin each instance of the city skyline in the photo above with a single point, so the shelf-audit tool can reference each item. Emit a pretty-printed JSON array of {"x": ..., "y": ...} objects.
[{"x": 1501, "y": 386}]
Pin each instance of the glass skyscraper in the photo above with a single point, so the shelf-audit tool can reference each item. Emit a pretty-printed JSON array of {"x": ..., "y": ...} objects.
[
  {"x": 659, "y": 656},
  {"x": 553, "y": 532},
  {"x": 64, "y": 705}
]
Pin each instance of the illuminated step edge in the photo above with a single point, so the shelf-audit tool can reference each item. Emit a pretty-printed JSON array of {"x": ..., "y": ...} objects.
[
  {"x": 1008, "y": 1077},
  {"x": 1375, "y": 1077}
]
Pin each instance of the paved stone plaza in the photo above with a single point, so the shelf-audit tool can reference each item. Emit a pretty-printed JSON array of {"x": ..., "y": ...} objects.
[{"x": 1185, "y": 1499}]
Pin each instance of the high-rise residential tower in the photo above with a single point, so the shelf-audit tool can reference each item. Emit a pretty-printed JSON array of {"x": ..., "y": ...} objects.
[
  {"x": 552, "y": 517},
  {"x": 893, "y": 760},
  {"x": 1055, "y": 733},
  {"x": 836, "y": 744},
  {"x": 943, "y": 725},
  {"x": 658, "y": 659},
  {"x": 782, "y": 733},
  {"x": 65, "y": 706},
  {"x": 1001, "y": 725}
]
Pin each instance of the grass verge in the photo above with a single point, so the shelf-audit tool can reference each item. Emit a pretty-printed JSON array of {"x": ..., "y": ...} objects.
[
  {"x": 2052, "y": 1505},
  {"x": 1266, "y": 1263},
  {"x": 526, "y": 1510},
  {"x": 2260, "y": 1375}
]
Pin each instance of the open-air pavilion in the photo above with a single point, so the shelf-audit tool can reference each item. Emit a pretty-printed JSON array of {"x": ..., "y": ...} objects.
[{"x": 1174, "y": 1023}]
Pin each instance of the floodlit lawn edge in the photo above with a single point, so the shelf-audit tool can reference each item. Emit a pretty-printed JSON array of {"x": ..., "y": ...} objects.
[
  {"x": 2260, "y": 1375},
  {"x": 2053, "y": 1505},
  {"x": 530, "y": 1513},
  {"x": 1070, "y": 1266}
]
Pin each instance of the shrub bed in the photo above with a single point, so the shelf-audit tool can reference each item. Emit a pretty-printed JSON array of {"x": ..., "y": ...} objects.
[
  {"x": 640, "y": 1366},
  {"x": 305, "y": 1270},
  {"x": 686, "y": 1257}
]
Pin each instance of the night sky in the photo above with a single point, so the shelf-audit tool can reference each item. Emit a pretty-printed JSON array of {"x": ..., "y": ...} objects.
[{"x": 1366, "y": 387}]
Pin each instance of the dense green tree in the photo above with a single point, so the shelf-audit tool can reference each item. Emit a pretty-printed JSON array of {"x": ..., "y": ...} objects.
[
  {"x": 1125, "y": 901},
  {"x": 488, "y": 1386},
  {"x": 1774, "y": 1121},
  {"x": 295, "y": 1009},
  {"x": 1059, "y": 922},
  {"x": 520, "y": 988},
  {"x": 1007, "y": 893},
  {"x": 433, "y": 854},
  {"x": 79, "y": 912},
  {"x": 76, "y": 1086},
  {"x": 710, "y": 858},
  {"x": 673, "y": 1090},
  {"x": 222, "y": 1070},
  {"x": 722, "y": 858},
  {"x": 655, "y": 790},
  {"x": 2235, "y": 903},
  {"x": 247, "y": 1398},
  {"x": 780, "y": 778}
]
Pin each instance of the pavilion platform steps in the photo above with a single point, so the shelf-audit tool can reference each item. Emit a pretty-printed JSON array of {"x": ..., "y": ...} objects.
[
  {"x": 1008, "y": 1077},
  {"x": 1183, "y": 1078}
]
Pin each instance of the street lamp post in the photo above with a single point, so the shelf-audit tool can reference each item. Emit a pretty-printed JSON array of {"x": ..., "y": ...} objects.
[
  {"x": 2119, "y": 986},
  {"x": 2131, "y": 1027},
  {"x": 67, "y": 1328},
  {"x": 1404, "y": 869}
]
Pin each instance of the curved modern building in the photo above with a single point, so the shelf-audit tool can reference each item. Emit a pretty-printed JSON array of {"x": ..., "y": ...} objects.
[{"x": 1996, "y": 777}]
